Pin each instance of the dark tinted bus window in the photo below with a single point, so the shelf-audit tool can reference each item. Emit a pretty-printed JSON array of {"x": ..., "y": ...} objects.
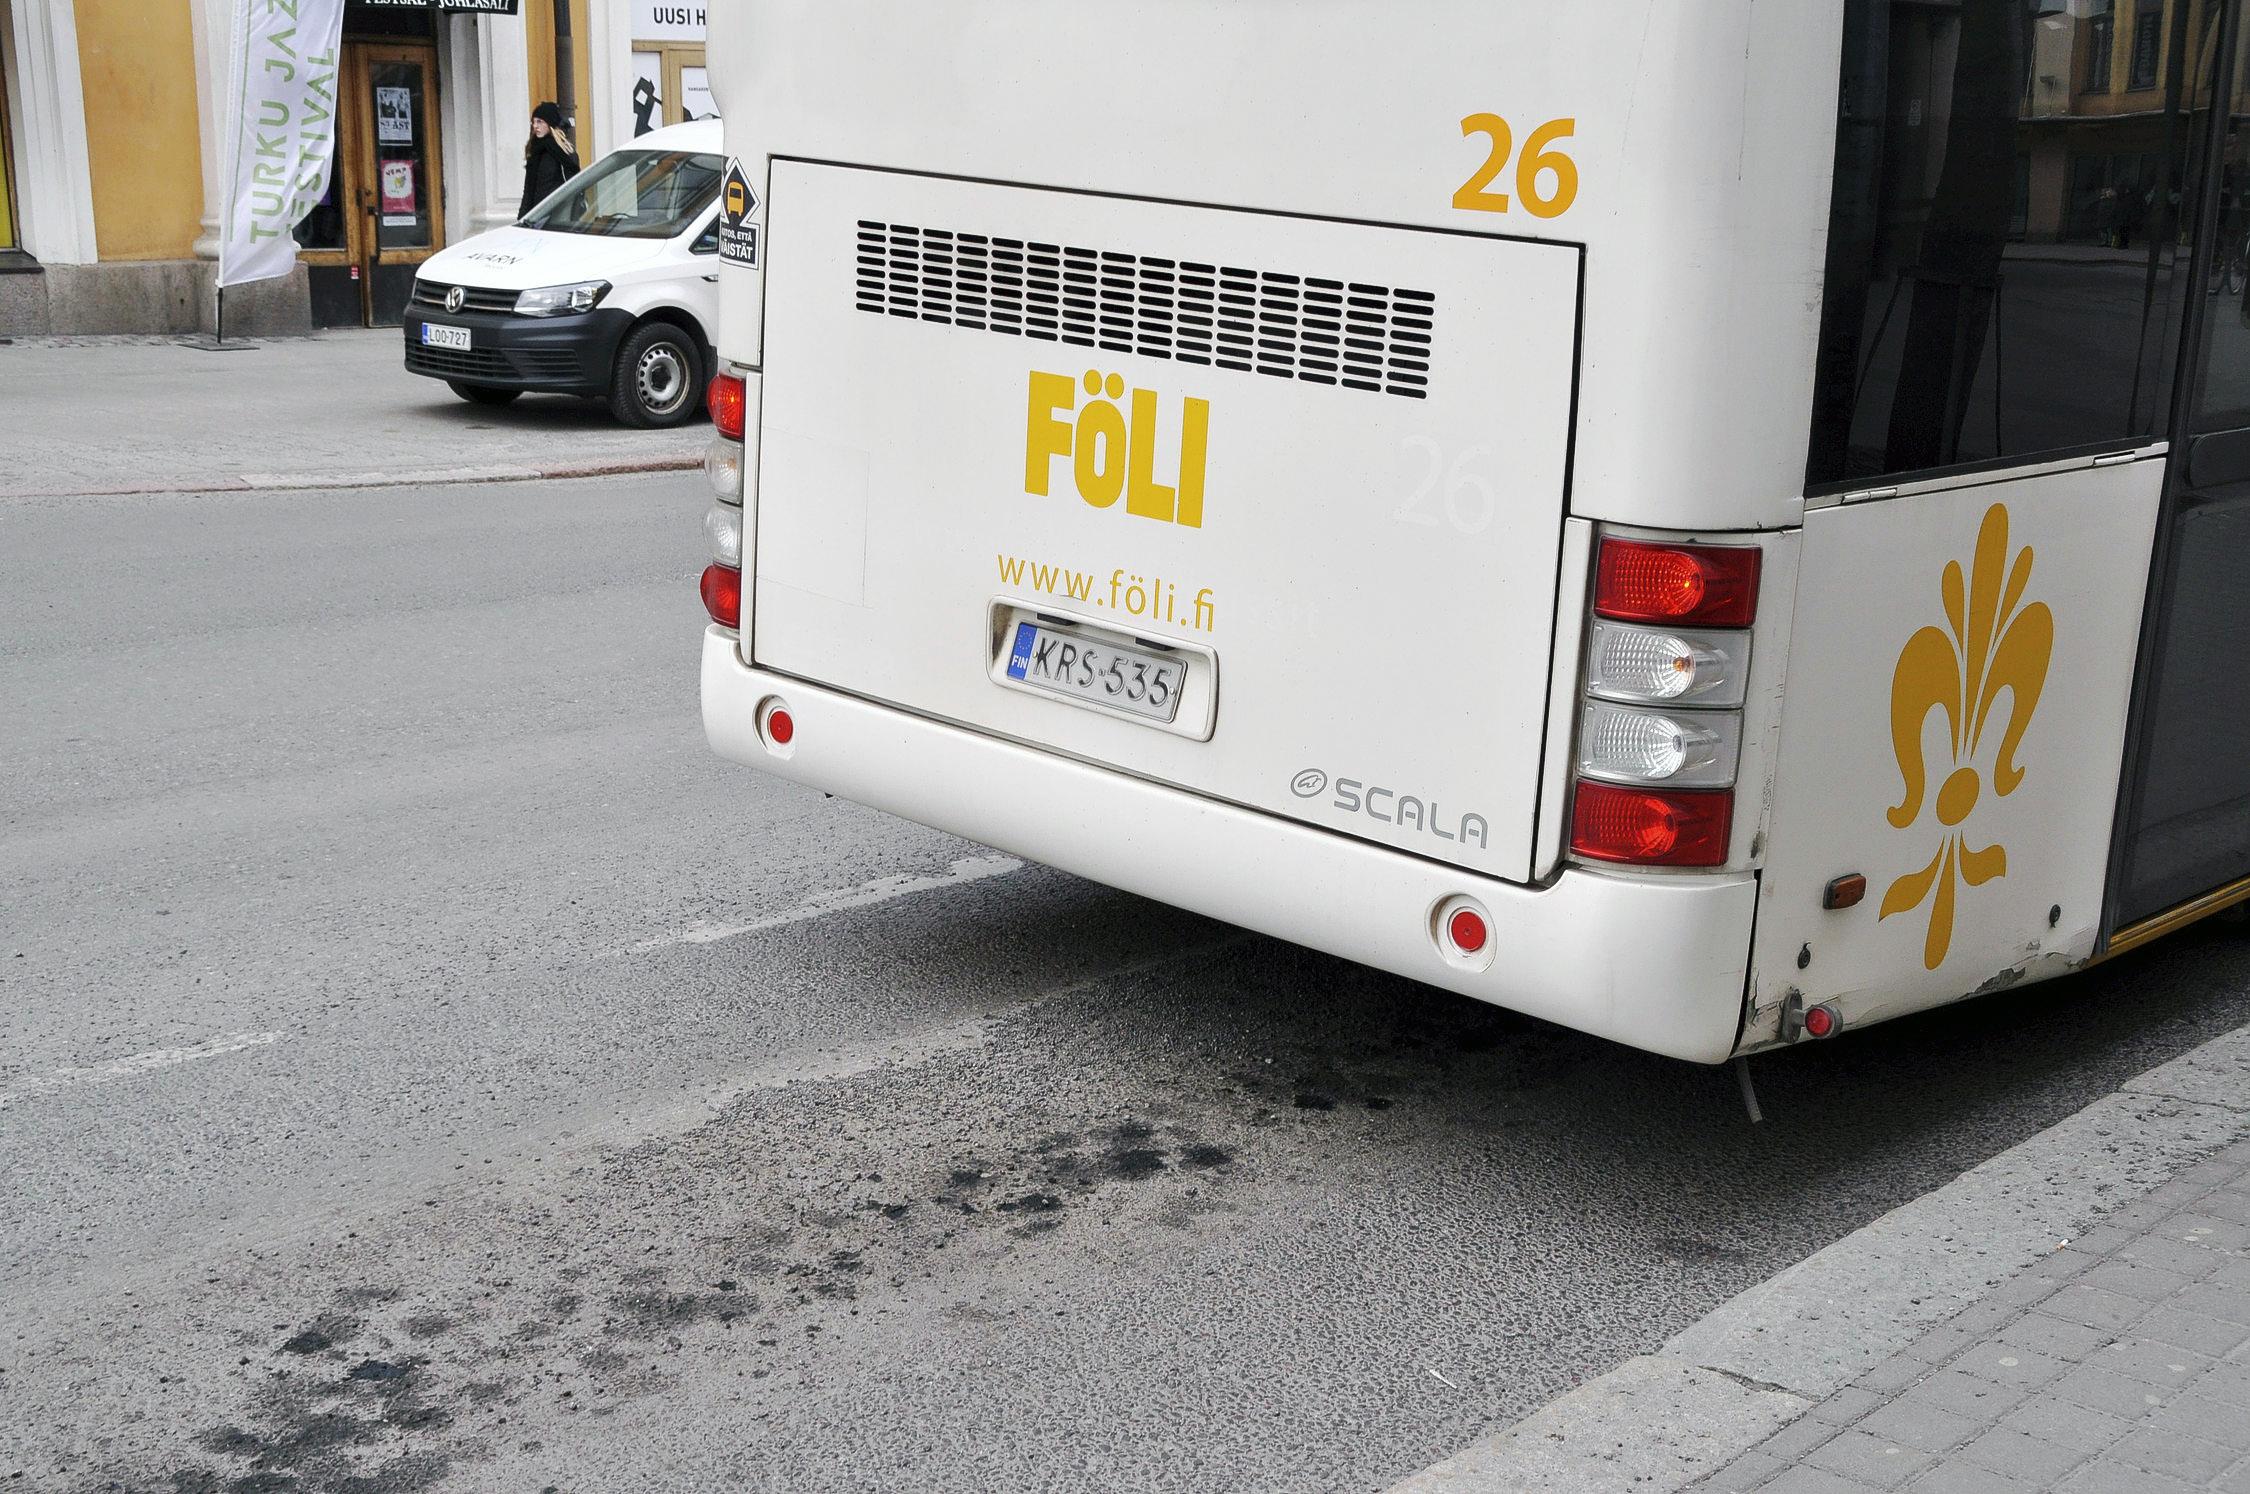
[{"x": 2005, "y": 230}]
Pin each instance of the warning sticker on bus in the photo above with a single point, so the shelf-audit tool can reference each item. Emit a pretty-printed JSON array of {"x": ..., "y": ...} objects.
[{"x": 738, "y": 236}]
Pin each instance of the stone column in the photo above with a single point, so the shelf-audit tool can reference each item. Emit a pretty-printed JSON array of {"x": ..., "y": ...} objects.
[
  {"x": 505, "y": 77},
  {"x": 213, "y": 57},
  {"x": 54, "y": 184}
]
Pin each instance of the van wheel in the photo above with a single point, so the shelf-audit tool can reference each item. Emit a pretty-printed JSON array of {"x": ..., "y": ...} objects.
[
  {"x": 659, "y": 377},
  {"x": 483, "y": 394}
]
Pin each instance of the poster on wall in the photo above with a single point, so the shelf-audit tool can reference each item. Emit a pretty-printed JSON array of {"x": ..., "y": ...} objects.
[
  {"x": 394, "y": 116},
  {"x": 399, "y": 207},
  {"x": 695, "y": 94},
  {"x": 647, "y": 104},
  {"x": 669, "y": 21}
]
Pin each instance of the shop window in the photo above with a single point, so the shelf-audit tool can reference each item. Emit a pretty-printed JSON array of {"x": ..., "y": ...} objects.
[
  {"x": 2148, "y": 35},
  {"x": 2004, "y": 283}
]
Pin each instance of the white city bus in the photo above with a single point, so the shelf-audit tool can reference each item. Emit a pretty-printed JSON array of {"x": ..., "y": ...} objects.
[{"x": 1708, "y": 523}]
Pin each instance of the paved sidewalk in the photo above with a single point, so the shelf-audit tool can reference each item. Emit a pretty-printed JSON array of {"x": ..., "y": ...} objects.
[
  {"x": 2071, "y": 1314},
  {"x": 131, "y": 414},
  {"x": 2119, "y": 1365}
]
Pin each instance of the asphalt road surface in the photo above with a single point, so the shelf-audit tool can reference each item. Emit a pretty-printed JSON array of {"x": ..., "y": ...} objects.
[{"x": 423, "y": 1066}]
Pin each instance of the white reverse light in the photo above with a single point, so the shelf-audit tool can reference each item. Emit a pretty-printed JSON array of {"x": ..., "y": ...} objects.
[
  {"x": 1681, "y": 749},
  {"x": 1625, "y": 662},
  {"x": 723, "y": 526},
  {"x": 722, "y": 463}
]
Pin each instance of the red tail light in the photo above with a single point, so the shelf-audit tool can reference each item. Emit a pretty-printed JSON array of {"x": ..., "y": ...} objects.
[
  {"x": 1642, "y": 827},
  {"x": 729, "y": 402},
  {"x": 722, "y": 595},
  {"x": 1715, "y": 586}
]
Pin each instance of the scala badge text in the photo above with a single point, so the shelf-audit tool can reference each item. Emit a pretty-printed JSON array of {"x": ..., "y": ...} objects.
[{"x": 1111, "y": 456}]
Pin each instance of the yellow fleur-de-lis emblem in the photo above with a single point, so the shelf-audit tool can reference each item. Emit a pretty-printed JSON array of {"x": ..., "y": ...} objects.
[{"x": 1997, "y": 641}]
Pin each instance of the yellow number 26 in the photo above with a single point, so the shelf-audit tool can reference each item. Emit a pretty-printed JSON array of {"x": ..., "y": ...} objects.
[{"x": 1537, "y": 160}]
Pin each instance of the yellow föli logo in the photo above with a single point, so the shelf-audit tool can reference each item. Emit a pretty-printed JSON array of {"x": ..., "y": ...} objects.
[
  {"x": 1112, "y": 456},
  {"x": 1994, "y": 641}
]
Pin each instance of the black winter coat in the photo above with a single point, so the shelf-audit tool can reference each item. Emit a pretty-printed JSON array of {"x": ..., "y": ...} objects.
[{"x": 544, "y": 170}]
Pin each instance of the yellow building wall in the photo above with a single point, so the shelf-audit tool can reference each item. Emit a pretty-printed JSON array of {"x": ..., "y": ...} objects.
[
  {"x": 539, "y": 38},
  {"x": 136, "y": 60}
]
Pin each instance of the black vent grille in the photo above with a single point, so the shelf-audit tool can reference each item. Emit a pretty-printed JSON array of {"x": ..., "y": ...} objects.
[
  {"x": 429, "y": 295},
  {"x": 1323, "y": 331}
]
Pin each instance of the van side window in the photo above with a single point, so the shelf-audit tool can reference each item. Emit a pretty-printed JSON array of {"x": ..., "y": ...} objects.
[
  {"x": 2006, "y": 253},
  {"x": 706, "y": 242}
]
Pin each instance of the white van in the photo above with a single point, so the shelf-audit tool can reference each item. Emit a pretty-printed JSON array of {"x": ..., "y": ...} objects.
[{"x": 608, "y": 289}]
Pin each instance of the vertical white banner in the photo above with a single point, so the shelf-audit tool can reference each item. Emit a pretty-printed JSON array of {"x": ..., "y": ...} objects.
[{"x": 281, "y": 113}]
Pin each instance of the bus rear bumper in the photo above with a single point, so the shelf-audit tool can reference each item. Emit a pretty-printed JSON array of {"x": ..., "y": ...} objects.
[{"x": 1655, "y": 962}]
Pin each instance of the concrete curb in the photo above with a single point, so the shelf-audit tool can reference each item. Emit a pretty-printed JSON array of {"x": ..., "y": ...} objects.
[
  {"x": 267, "y": 482},
  {"x": 1658, "y": 1423}
]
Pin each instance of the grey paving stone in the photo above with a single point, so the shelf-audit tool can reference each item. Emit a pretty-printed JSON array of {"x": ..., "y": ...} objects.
[
  {"x": 1965, "y": 1395},
  {"x": 2215, "y": 1337},
  {"x": 1943, "y": 1342},
  {"x": 2230, "y": 1271},
  {"x": 1924, "y": 1428},
  {"x": 2167, "y": 1254},
  {"x": 2009, "y": 1364},
  {"x": 2105, "y": 1477},
  {"x": 2227, "y": 1205},
  {"x": 1744, "y": 1474},
  {"x": 2163, "y": 1364},
  {"x": 1956, "y": 1477},
  {"x": 2021, "y": 1455},
  {"x": 2198, "y": 1415},
  {"x": 2134, "y": 1279},
  {"x": 1846, "y": 1406},
  {"x": 1803, "y": 1480},
  {"x": 2052, "y": 1336},
  {"x": 2080, "y": 1303},
  {"x": 2116, "y": 1394},
  {"x": 2177, "y": 1454},
  {"x": 1793, "y": 1441},
  {"x": 2067, "y": 1424},
  {"x": 2213, "y": 1300},
  {"x": 2212, "y": 1172},
  {"x": 1875, "y": 1461},
  {"x": 1894, "y": 1374},
  {"x": 2209, "y": 1231},
  {"x": 2145, "y": 1214},
  {"x": 2237, "y": 1482},
  {"x": 2103, "y": 1238},
  {"x": 2023, "y": 1290},
  {"x": 1983, "y": 1319},
  {"x": 2227, "y": 1382}
]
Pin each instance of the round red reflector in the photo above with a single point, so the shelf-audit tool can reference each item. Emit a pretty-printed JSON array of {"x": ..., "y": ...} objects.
[
  {"x": 1819, "y": 1022},
  {"x": 1466, "y": 928},
  {"x": 781, "y": 727},
  {"x": 722, "y": 595}
]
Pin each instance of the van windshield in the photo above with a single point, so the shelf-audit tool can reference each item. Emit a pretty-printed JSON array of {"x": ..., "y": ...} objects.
[{"x": 633, "y": 194}]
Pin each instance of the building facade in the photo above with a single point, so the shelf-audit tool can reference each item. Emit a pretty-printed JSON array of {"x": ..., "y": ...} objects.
[{"x": 113, "y": 149}]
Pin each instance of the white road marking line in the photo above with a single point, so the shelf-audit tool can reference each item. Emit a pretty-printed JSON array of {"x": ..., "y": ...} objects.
[
  {"x": 866, "y": 895},
  {"x": 138, "y": 1063}
]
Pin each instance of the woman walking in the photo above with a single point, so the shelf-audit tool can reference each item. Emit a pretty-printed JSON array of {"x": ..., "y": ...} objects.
[{"x": 548, "y": 160}]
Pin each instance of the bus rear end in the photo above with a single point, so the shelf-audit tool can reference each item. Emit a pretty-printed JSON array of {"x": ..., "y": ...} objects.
[{"x": 1138, "y": 474}]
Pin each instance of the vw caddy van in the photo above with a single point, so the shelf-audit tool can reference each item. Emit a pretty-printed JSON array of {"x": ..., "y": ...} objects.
[{"x": 608, "y": 289}]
